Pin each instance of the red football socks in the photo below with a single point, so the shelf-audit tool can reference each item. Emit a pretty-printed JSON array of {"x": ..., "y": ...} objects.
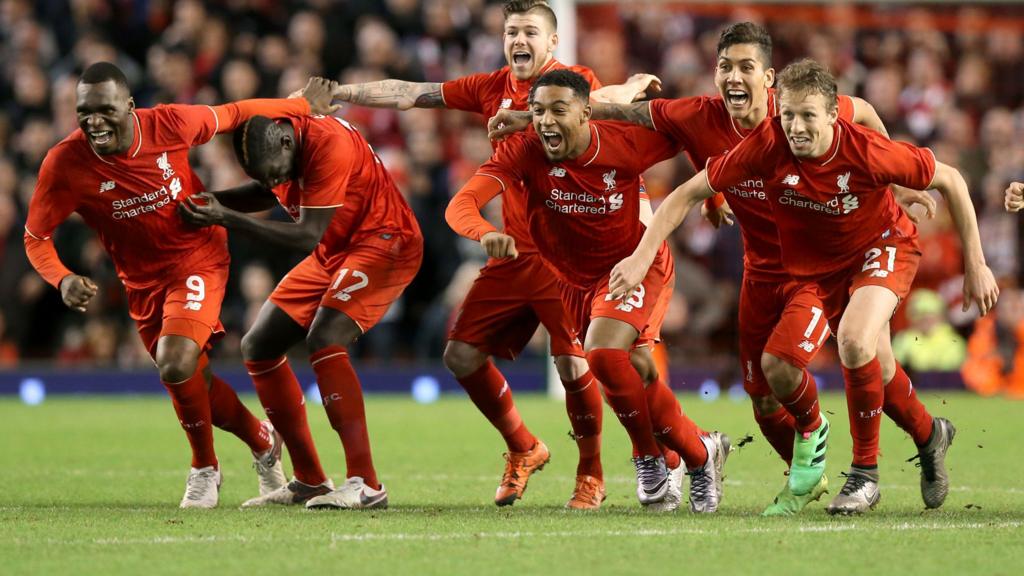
[
  {"x": 864, "y": 398},
  {"x": 229, "y": 414},
  {"x": 491, "y": 394},
  {"x": 672, "y": 427},
  {"x": 282, "y": 400},
  {"x": 624, "y": 390},
  {"x": 343, "y": 400},
  {"x": 903, "y": 407},
  {"x": 192, "y": 405},
  {"x": 585, "y": 408},
  {"x": 803, "y": 404},
  {"x": 778, "y": 428}
]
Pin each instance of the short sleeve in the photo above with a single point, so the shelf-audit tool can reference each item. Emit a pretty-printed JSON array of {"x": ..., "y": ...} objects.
[
  {"x": 679, "y": 118},
  {"x": 52, "y": 201},
  {"x": 901, "y": 163},
  {"x": 191, "y": 125},
  {"x": 751, "y": 156},
  {"x": 468, "y": 93},
  {"x": 651, "y": 147},
  {"x": 587, "y": 73},
  {"x": 328, "y": 164},
  {"x": 847, "y": 108}
]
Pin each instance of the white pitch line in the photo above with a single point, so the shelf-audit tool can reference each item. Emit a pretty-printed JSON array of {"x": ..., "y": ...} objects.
[{"x": 334, "y": 538}]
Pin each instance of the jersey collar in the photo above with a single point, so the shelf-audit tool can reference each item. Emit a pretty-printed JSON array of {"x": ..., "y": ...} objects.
[{"x": 133, "y": 150}]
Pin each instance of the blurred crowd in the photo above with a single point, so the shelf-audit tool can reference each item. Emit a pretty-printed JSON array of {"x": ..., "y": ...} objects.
[{"x": 946, "y": 77}]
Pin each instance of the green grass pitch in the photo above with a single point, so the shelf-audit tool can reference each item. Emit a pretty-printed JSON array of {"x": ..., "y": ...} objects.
[{"x": 91, "y": 486}]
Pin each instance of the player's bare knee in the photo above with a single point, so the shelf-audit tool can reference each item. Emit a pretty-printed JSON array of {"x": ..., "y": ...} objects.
[
  {"x": 644, "y": 365},
  {"x": 175, "y": 367},
  {"x": 462, "y": 359},
  {"x": 570, "y": 368},
  {"x": 765, "y": 405},
  {"x": 780, "y": 373},
  {"x": 254, "y": 347},
  {"x": 854, "y": 349}
]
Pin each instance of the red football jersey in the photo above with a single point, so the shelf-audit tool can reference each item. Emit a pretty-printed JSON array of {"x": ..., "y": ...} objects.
[
  {"x": 130, "y": 199},
  {"x": 486, "y": 94},
  {"x": 828, "y": 210},
  {"x": 582, "y": 212},
  {"x": 705, "y": 129},
  {"x": 337, "y": 168}
]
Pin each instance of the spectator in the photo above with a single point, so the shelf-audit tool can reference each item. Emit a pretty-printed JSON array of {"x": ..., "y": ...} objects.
[{"x": 930, "y": 343}]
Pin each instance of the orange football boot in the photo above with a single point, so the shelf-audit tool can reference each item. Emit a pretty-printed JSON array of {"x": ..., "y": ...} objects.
[
  {"x": 588, "y": 495},
  {"x": 518, "y": 467}
]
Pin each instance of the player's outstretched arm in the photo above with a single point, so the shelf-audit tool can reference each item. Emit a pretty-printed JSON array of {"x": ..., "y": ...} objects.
[
  {"x": 637, "y": 87},
  {"x": 506, "y": 122},
  {"x": 463, "y": 216},
  {"x": 315, "y": 98},
  {"x": 397, "y": 94},
  {"x": 630, "y": 272},
  {"x": 1014, "y": 200},
  {"x": 303, "y": 235},
  {"x": 979, "y": 284},
  {"x": 249, "y": 197}
]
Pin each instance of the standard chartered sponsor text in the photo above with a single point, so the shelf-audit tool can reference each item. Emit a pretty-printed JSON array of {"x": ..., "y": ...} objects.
[
  {"x": 131, "y": 207},
  {"x": 792, "y": 198}
]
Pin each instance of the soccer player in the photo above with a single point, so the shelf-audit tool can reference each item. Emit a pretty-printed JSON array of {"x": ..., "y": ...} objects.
[
  {"x": 511, "y": 296},
  {"x": 365, "y": 248},
  {"x": 124, "y": 170},
  {"x": 581, "y": 186},
  {"x": 780, "y": 320},
  {"x": 827, "y": 182}
]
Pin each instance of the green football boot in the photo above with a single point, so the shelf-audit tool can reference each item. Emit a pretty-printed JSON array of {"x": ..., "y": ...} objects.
[
  {"x": 808, "y": 459},
  {"x": 788, "y": 504}
]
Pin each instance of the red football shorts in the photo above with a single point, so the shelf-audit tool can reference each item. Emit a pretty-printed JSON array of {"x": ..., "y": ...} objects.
[
  {"x": 652, "y": 334},
  {"x": 188, "y": 305},
  {"x": 507, "y": 302},
  {"x": 890, "y": 263},
  {"x": 785, "y": 319},
  {"x": 367, "y": 279},
  {"x": 638, "y": 309}
]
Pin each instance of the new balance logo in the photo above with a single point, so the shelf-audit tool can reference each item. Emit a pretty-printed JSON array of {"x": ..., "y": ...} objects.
[
  {"x": 806, "y": 346},
  {"x": 107, "y": 186},
  {"x": 506, "y": 103},
  {"x": 557, "y": 172},
  {"x": 791, "y": 180},
  {"x": 193, "y": 305}
]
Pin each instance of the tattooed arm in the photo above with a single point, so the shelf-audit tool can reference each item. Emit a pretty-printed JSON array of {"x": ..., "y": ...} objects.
[
  {"x": 392, "y": 94},
  {"x": 635, "y": 113}
]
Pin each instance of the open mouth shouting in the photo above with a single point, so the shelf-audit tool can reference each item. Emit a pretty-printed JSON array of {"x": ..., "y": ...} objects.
[
  {"x": 101, "y": 138},
  {"x": 552, "y": 141},
  {"x": 521, "y": 58},
  {"x": 737, "y": 98}
]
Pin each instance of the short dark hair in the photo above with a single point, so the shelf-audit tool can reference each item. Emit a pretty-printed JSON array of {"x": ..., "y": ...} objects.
[
  {"x": 808, "y": 76},
  {"x": 565, "y": 78},
  {"x": 748, "y": 33},
  {"x": 256, "y": 141},
  {"x": 526, "y": 6},
  {"x": 104, "y": 72}
]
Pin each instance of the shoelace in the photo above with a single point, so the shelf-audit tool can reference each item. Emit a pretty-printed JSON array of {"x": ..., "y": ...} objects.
[
  {"x": 585, "y": 491},
  {"x": 926, "y": 462},
  {"x": 264, "y": 463},
  {"x": 854, "y": 482},
  {"x": 515, "y": 464},
  {"x": 197, "y": 485},
  {"x": 648, "y": 472},
  {"x": 700, "y": 484}
]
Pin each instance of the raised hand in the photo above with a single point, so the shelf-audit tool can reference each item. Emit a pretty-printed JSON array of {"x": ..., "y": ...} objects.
[
  {"x": 1014, "y": 200},
  {"x": 506, "y": 123},
  {"x": 320, "y": 93}
]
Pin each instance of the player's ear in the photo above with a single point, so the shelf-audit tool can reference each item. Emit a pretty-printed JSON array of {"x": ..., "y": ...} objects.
[
  {"x": 131, "y": 104},
  {"x": 553, "y": 42},
  {"x": 587, "y": 111},
  {"x": 769, "y": 77}
]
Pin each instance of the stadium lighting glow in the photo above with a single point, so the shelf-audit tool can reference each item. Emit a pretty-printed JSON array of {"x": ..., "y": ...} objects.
[
  {"x": 710, "y": 390},
  {"x": 426, "y": 389},
  {"x": 32, "y": 391}
]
